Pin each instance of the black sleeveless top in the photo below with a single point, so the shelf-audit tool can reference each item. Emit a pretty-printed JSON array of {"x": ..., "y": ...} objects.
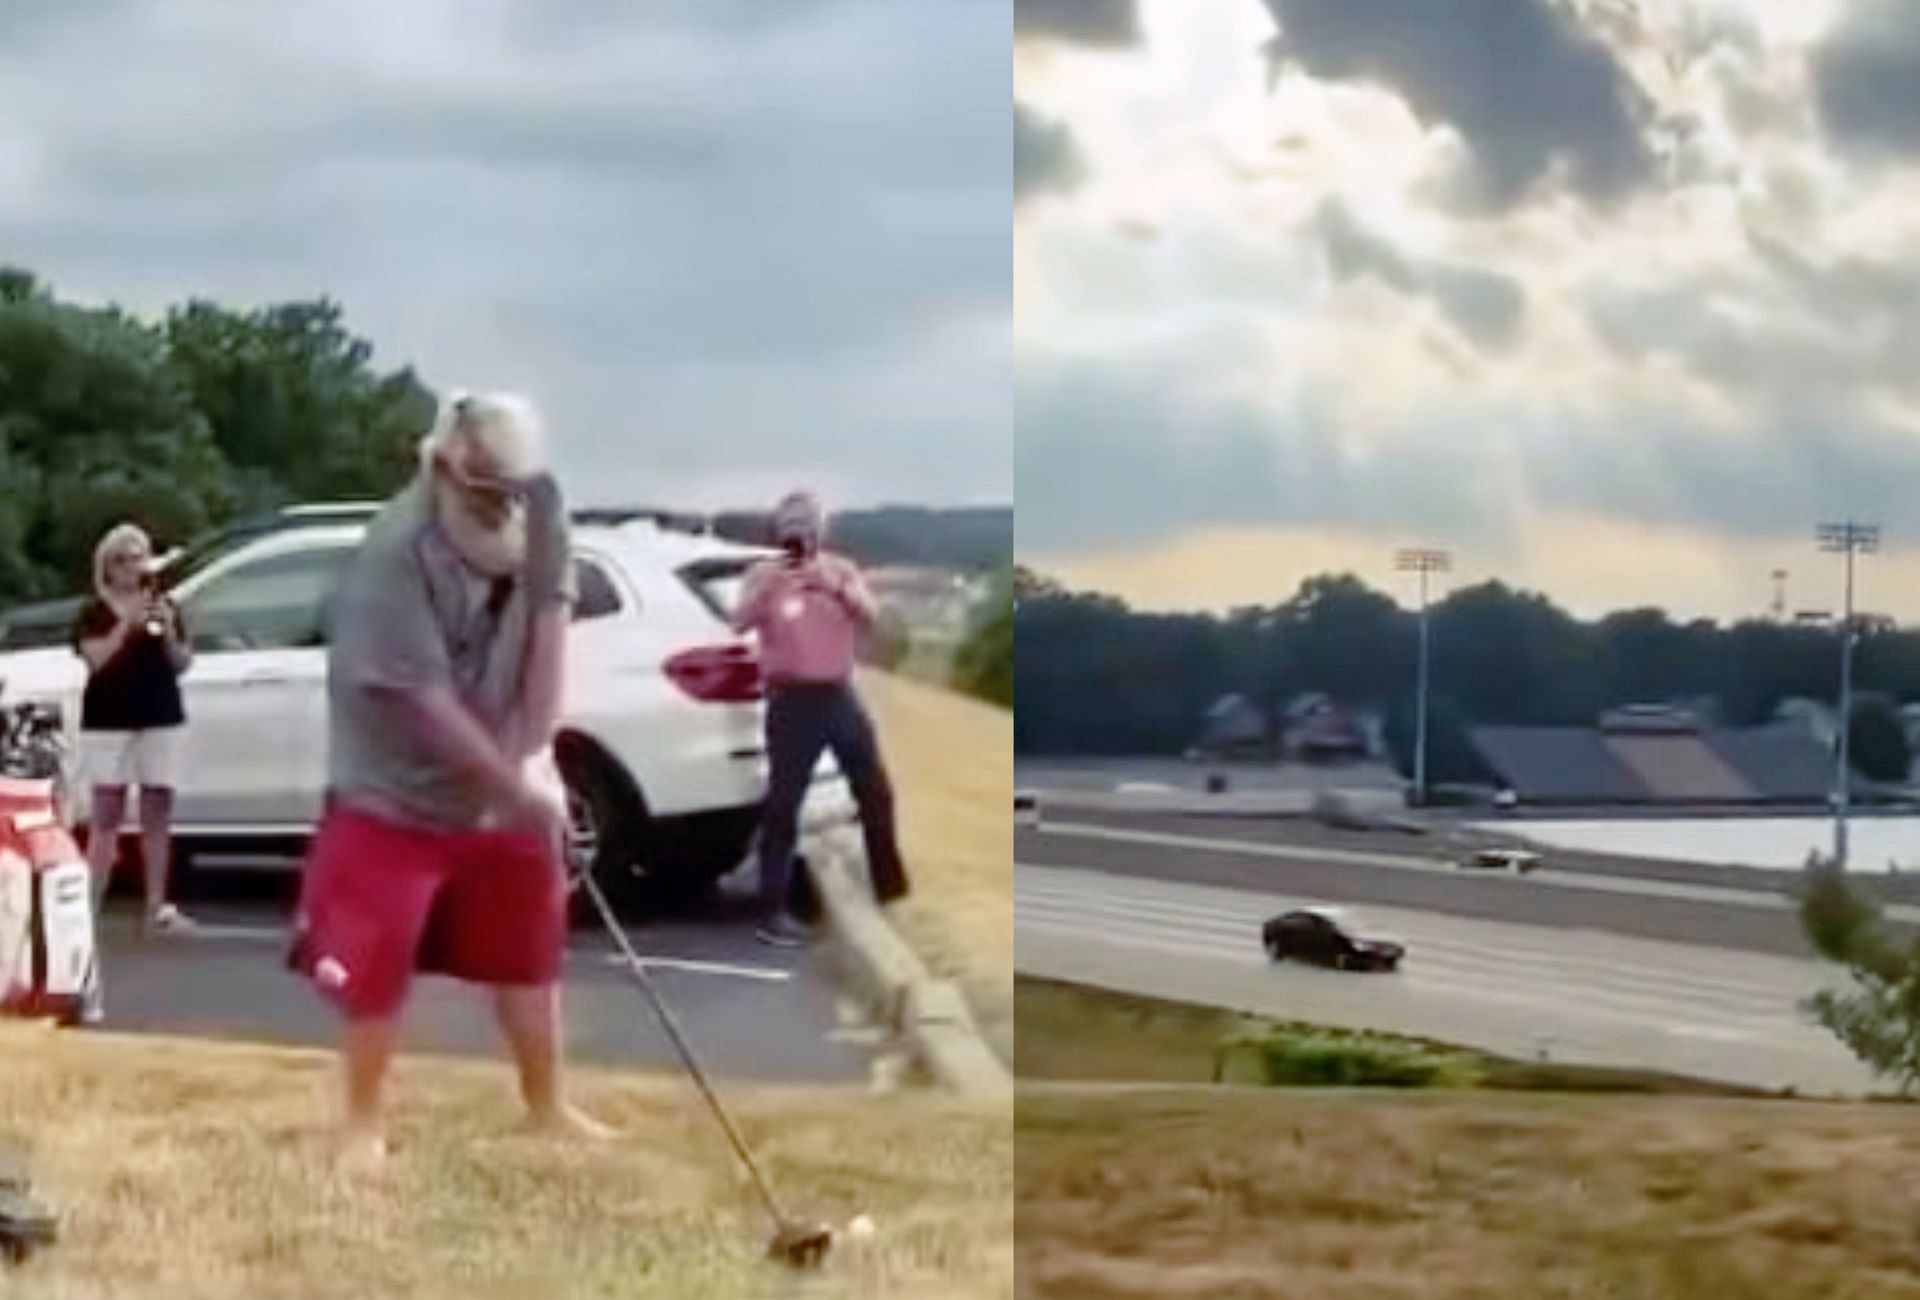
[{"x": 135, "y": 690}]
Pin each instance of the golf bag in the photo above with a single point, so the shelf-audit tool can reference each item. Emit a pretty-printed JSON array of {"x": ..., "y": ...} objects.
[{"x": 46, "y": 899}]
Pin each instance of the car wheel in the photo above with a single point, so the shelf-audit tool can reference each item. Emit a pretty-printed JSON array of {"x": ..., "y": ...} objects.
[{"x": 605, "y": 822}]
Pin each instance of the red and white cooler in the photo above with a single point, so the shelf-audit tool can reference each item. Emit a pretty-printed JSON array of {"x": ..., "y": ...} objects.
[{"x": 46, "y": 907}]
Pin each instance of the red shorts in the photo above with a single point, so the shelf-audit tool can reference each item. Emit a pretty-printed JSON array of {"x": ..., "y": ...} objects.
[{"x": 379, "y": 900}]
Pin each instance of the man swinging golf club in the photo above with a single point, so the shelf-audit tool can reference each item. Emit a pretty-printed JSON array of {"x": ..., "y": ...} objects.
[{"x": 440, "y": 849}]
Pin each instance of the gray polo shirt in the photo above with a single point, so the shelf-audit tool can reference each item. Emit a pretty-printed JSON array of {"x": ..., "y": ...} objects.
[{"x": 410, "y": 613}]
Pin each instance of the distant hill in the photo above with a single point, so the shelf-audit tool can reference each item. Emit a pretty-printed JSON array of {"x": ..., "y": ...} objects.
[{"x": 974, "y": 539}]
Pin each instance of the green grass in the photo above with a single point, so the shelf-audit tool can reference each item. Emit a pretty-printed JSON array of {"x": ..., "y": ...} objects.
[
  {"x": 1426, "y": 1172},
  {"x": 1068, "y": 1032}
]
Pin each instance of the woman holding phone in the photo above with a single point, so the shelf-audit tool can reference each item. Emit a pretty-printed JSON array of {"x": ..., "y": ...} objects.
[{"x": 131, "y": 715}]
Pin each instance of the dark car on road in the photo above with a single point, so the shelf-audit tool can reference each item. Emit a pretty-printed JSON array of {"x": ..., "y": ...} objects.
[
  {"x": 1523, "y": 861},
  {"x": 1321, "y": 937}
]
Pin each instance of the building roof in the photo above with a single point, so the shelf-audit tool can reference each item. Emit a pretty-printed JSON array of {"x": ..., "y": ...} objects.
[{"x": 1770, "y": 764}]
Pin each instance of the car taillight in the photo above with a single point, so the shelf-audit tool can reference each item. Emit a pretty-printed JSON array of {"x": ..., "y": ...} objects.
[{"x": 723, "y": 674}]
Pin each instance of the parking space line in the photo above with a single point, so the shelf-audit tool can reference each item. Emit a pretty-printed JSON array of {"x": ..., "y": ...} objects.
[{"x": 766, "y": 973}]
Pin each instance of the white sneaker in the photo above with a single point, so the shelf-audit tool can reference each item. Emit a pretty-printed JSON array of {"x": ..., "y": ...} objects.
[{"x": 168, "y": 919}]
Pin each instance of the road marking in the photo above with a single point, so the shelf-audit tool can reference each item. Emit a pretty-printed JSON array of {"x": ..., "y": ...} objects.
[
  {"x": 214, "y": 932},
  {"x": 1543, "y": 987},
  {"x": 1571, "y": 881},
  {"x": 766, "y": 973},
  {"x": 1666, "y": 1017},
  {"x": 1647, "y": 982},
  {"x": 1595, "y": 997},
  {"x": 1505, "y": 968},
  {"x": 1437, "y": 931}
]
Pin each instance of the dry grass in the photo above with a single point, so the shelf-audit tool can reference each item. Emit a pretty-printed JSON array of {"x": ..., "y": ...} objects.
[
  {"x": 189, "y": 1169},
  {"x": 1069, "y": 1032},
  {"x": 952, "y": 764},
  {"x": 1273, "y": 1195}
]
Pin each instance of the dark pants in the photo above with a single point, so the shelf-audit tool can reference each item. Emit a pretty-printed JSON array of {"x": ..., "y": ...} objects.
[{"x": 802, "y": 721}]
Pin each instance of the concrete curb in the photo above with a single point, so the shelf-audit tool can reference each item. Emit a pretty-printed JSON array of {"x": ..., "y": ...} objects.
[{"x": 929, "y": 1014}]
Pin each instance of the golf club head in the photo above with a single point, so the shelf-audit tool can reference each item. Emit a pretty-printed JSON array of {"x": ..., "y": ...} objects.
[
  {"x": 25, "y": 1226},
  {"x": 801, "y": 1244}
]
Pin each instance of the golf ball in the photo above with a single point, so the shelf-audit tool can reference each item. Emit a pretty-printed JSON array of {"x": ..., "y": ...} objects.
[{"x": 859, "y": 1227}]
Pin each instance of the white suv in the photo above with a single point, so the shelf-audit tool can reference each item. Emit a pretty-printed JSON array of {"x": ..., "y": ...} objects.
[{"x": 661, "y": 744}]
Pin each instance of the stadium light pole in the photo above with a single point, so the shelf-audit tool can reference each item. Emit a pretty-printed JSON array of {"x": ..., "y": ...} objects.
[
  {"x": 1423, "y": 561},
  {"x": 1846, "y": 539}
]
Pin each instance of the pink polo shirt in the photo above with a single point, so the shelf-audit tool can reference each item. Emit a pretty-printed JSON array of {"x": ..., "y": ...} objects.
[{"x": 808, "y": 619}]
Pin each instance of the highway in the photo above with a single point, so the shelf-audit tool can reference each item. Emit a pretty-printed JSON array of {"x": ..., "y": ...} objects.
[
  {"x": 1701, "y": 907},
  {"x": 1695, "y": 985}
]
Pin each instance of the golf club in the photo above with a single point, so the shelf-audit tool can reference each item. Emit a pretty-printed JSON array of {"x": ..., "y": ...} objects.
[{"x": 798, "y": 1243}]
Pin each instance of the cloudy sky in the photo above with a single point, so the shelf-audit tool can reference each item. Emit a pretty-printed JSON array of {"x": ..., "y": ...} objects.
[
  {"x": 1613, "y": 299},
  {"x": 728, "y": 243}
]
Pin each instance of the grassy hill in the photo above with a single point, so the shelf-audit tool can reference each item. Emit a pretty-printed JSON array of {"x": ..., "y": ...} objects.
[{"x": 1136, "y": 1179}]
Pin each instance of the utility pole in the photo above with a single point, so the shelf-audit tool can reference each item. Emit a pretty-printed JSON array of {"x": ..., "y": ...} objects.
[
  {"x": 1423, "y": 561},
  {"x": 1846, "y": 539}
]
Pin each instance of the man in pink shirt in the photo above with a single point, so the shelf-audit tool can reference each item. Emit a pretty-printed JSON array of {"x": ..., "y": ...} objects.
[{"x": 809, "y": 609}]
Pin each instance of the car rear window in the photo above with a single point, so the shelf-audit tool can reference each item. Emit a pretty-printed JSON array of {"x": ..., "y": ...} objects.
[
  {"x": 33, "y": 627},
  {"x": 598, "y": 597},
  {"x": 716, "y": 582}
]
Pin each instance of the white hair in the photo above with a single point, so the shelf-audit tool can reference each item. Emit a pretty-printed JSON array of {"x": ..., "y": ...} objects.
[
  {"x": 506, "y": 425},
  {"x": 799, "y": 514},
  {"x": 117, "y": 539}
]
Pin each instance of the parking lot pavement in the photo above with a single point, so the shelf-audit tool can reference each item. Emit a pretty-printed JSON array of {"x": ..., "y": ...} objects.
[{"x": 751, "y": 1012}]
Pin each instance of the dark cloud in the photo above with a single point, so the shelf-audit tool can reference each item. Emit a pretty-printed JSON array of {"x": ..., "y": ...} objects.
[
  {"x": 1112, "y": 452},
  {"x": 1799, "y": 330},
  {"x": 1081, "y": 22},
  {"x": 1528, "y": 87},
  {"x": 1766, "y": 476},
  {"x": 557, "y": 24},
  {"x": 718, "y": 243},
  {"x": 1486, "y": 306},
  {"x": 1353, "y": 251},
  {"x": 1867, "y": 76},
  {"x": 1045, "y": 159}
]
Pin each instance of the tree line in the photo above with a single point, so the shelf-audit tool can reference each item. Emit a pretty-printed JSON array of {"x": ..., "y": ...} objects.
[
  {"x": 1093, "y": 676},
  {"x": 181, "y": 424},
  {"x": 209, "y": 414}
]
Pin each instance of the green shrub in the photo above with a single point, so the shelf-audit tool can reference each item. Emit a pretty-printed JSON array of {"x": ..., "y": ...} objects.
[
  {"x": 1291, "y": 1058},
  {"x": 984, "y": 666}
]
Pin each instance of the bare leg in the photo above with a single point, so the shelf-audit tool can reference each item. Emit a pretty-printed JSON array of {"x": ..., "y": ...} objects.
[
  {"x": 103, "y": 838},
  {"x": 103, "y": 850},
  {"x": 156, "y": 843},
  {"x": 529, "y": 1017},
  {"x": 366, "y": 1049}
]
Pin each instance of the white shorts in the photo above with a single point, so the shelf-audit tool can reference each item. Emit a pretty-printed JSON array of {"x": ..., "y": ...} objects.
[{"x": 143, "y": 758}]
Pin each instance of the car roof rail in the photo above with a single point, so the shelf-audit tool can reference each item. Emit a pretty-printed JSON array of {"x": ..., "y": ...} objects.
[
  {"x": 306, "y": 509},
  {"x": 671, "y": 521}
]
